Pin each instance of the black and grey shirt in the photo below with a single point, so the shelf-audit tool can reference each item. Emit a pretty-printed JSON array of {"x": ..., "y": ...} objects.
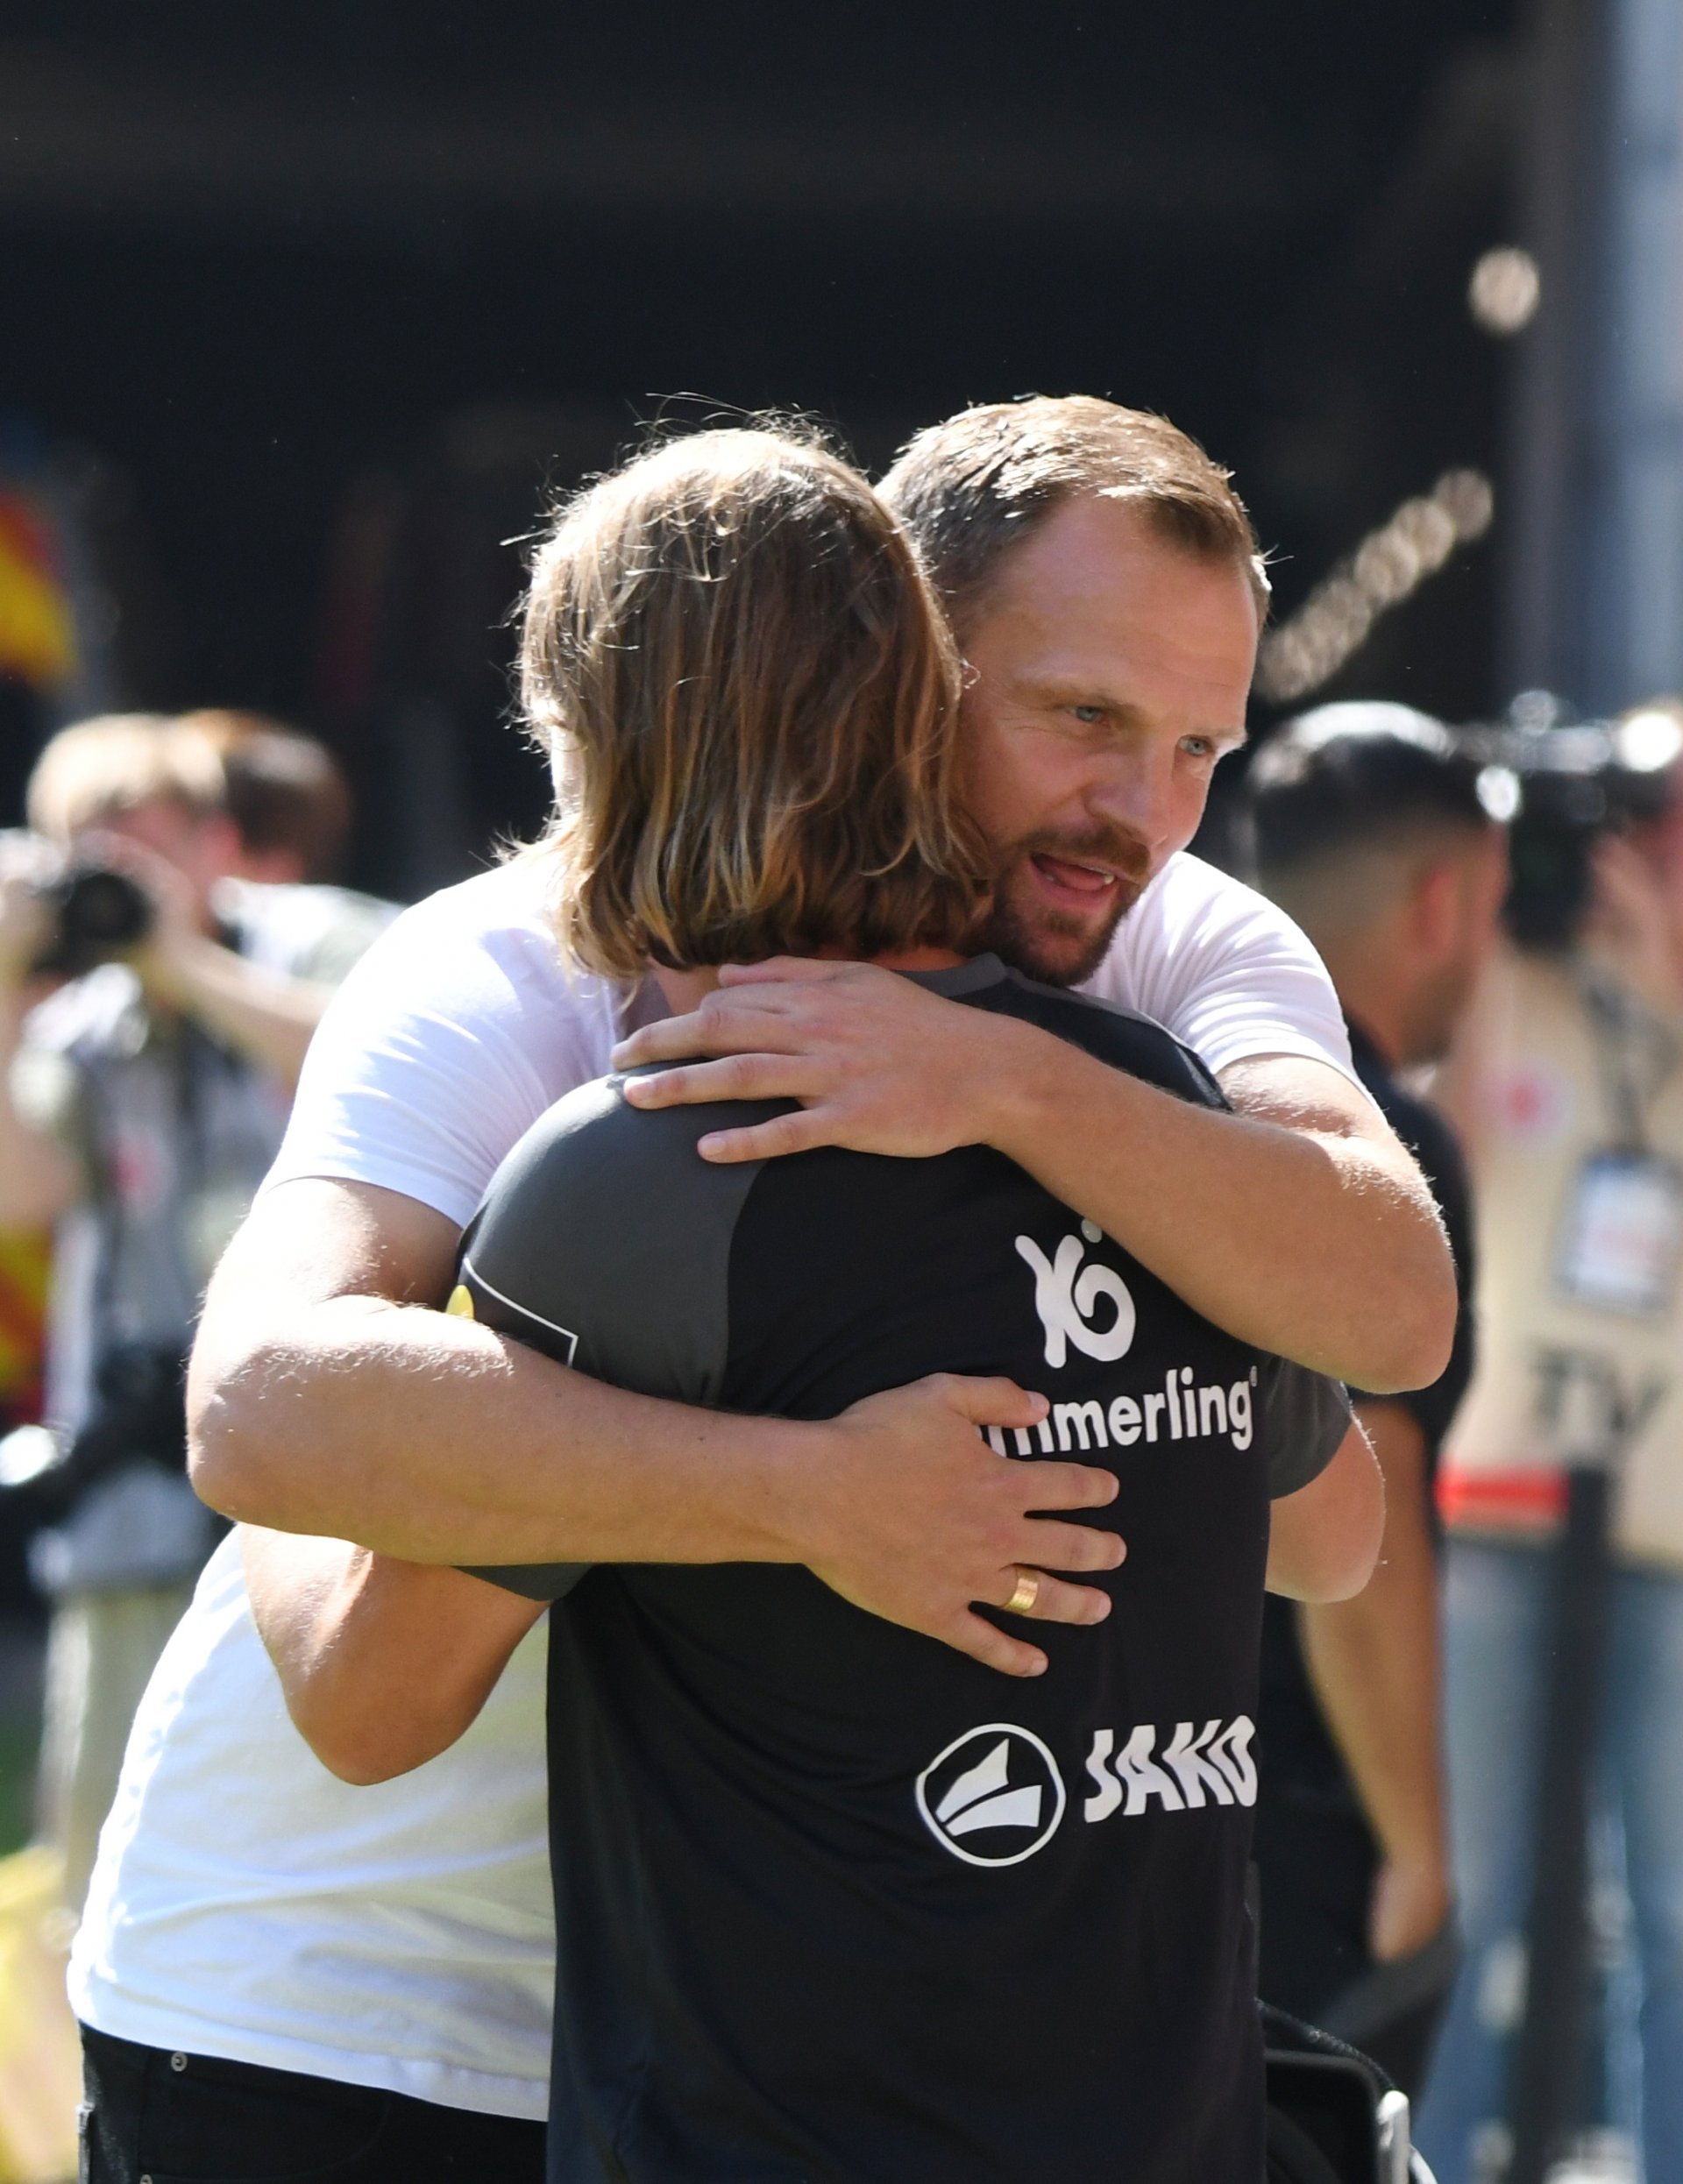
[{"x": 835, "y": 1902}]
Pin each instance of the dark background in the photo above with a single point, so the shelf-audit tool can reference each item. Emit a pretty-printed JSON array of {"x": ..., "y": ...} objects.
[{"x": 311, "y": 303}]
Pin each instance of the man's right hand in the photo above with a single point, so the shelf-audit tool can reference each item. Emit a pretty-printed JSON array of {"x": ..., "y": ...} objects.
[
  {"x": 917, "y": 1519},
  {"x": 1411, "y": 1901}
]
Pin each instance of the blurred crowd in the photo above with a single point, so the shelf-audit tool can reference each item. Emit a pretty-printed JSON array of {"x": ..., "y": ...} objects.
[
  {"x": 168, "y": 937},
  {"x": 1501, "y": 914},
  {"x": 1502, "y": 917}
]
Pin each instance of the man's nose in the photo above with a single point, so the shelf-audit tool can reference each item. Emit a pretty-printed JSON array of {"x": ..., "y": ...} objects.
[{"x": 1133, "y": 791}]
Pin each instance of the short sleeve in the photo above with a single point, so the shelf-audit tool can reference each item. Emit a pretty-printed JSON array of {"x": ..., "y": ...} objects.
[
  {"x": 1225, "y": 970},
  {"x": 453, "y": 1033},
  {"x": 605, "y": 1242},
  {"x": 1304, "y": 1418}
]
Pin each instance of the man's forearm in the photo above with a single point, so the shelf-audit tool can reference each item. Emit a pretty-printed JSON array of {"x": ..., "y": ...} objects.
[
  {"x": 1318, "y": 1245},
  {"x": 438, "y": 1441},
  {"x": 325, "y": 1396},
  {"x": 1301, "y": 1224},
  {"x": 384, "y": 1663},
  {"x": 1374, "y": 1661},
  {"x": 268, "y": 1016}
]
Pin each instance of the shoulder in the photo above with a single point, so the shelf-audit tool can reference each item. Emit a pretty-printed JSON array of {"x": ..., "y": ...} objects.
[
  {"x": 1225, "y": 969},
  {"x": 472, "y": 962},
  {"x": 605, "y": 1239},
  {"x": 1121, "y": 1037},
  {"x": 498, "y": 918},
  {"x": 1195, "y": 908},
  {"x": 630, "y": 1175},
  {"x": 456, "y": 1029}
]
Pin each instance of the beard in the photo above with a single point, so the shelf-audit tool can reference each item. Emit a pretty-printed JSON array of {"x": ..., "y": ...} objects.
[{"x": 1042, "y": 943}]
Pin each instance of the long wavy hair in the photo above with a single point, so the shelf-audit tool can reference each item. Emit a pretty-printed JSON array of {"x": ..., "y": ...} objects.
[{"x": 748, "y": 697}]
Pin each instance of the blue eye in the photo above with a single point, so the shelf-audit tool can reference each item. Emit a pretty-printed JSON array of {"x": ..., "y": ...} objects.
[{"x": 1087, "y": 714}]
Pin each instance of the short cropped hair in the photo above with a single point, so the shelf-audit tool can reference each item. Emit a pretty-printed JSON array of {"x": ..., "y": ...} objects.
[
  {"x": 973, "y": 489},
  {"x": 749, "y": 696},
  {"x": 283, "y": 790},
  {"x": 97, "y": 769},
  {"x": 1347, "y": 780}
]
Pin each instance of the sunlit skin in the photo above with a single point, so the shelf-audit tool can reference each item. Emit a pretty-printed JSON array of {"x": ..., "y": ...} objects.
[{"x": 1107, "y": 673}]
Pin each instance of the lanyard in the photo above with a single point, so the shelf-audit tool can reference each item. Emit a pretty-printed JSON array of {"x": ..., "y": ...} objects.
[
  {"x": 1622, "y": 1238},
  {"x": 1635, "y": 1051}
]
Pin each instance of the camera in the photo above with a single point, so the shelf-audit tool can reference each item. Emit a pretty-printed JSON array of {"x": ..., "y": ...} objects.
[
  {"x": 94, "y": 914},
  {"x": 1563, "y": 785},
  {"x": 139, "y": 1414}
]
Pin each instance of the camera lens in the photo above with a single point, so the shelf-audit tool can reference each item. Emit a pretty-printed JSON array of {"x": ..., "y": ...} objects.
[{"x": 98, "y": 914}]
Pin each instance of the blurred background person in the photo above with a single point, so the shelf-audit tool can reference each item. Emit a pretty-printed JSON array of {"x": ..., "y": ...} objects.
[
  {"x": 1569, "y": 1087},
  {"x": 141, "y": 1101},
  {"x": 1367, "y": 826},
  {"x": 291, "y": 807},
  {"x": 285, "y": 794}
]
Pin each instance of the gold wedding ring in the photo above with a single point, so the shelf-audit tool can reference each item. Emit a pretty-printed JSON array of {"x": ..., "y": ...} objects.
[{"x": 1028, "y": 1590}]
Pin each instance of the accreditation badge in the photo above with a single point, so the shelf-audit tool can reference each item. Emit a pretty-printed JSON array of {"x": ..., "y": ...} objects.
[{"x": 1622, "y": 1239}]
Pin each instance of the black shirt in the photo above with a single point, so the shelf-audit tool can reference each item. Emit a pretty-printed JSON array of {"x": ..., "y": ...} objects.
[
  {"x": 835, "y": 1902},
  {"x": 1302, "y": 1767}
]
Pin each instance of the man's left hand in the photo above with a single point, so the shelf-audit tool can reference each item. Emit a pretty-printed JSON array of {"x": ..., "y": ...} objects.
[{"x": 878, "y": 1064}]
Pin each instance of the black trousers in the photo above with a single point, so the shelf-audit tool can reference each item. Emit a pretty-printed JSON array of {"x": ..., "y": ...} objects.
[{"x": 151, "y": 2117}]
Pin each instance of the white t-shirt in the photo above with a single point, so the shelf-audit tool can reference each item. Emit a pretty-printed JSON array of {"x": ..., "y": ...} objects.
[{"x": 246, "y": 1903}]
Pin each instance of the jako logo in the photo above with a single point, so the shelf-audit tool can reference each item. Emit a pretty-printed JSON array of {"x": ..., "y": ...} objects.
[
  {"x": 1211, "y": 1765},
  {"x": 989, "y": 1789},
  {"x": 1067, "y": 1296}
]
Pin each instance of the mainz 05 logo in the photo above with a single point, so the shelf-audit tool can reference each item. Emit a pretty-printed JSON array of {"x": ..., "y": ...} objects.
[
  {"x": 1088, "y": 1306},
  {"x": 994, "y": 1797}
]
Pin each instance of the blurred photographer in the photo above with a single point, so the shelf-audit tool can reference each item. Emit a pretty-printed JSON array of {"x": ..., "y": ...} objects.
[
  {"x": 1569, "y": 1087},
  {"x": 291, "y": 808},
  {"x": 1369, "y": 828},
  {"x": 153, "y": 1021},
  {"x": 284, "y": 793}
]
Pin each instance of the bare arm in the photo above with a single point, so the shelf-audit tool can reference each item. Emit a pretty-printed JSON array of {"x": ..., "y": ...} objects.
[
  {"x": 327, "y": 1396},
  {"x": 1299, "y": 1223},
  {"x": 1373, "y": 1661},
  {"x": 37, "y": 1176},
  {"x": 384, "y": 1663},
  {"x": 268, "y": 1016},
  {"x": 1323, "y": 1539}
]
